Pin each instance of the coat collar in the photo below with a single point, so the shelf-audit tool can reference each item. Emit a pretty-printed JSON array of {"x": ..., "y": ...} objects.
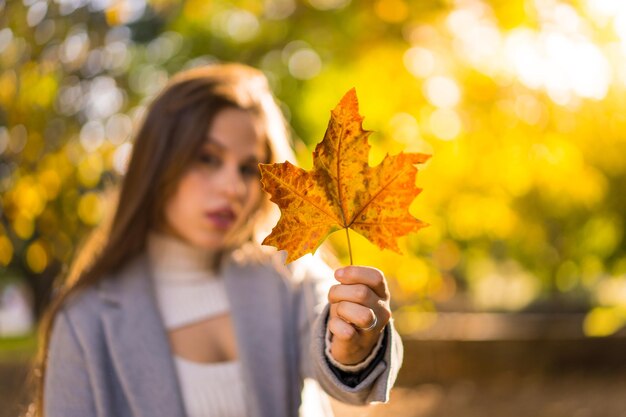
[
  {"x": 141, "y": 352},
  {"x": 138, "y": 343}
]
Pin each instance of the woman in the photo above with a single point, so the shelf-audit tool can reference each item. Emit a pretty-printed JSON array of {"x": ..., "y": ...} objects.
[{"x": 180, "y": 312}]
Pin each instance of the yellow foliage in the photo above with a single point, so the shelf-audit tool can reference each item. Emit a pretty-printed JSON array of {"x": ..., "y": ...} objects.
[
  {"x": 51, "y": 183},
  {"x": 413, "y": 319},
  {"x": 601, "y": 235},
  {"x": 62, "y": 247},
  {"x": 567, "y": 276},
  {"x": 471, "y": 216},
  {"x": 604, "y": 321},
  {"x": 445, "y": 124},
  {"x": 36, "y": 87},
  {"x": 393, "y": 11},
  {"x": 90, "y": 169},
  {"x": 29, "y": 197},
  {"x": 23, "y": 226},
  {"x": 447, "y": 255},
  {"x": 591, "y": 270},
  {"x": 8, "y": 87},
  {"x": 556, "y": 161},
  {"x": 90, "y": 208},
  {"x": 6, "y": 250},
  {"x": 198, "y": 10},
  {"x": 48, "y": 223},
  {"x": 380, "y": 100},
  {"x": 57, "y": 162},
  {"x": 522, "y": 107},
  {"x": 36, "y": 257},
  {"x": 413, "y": 275}
]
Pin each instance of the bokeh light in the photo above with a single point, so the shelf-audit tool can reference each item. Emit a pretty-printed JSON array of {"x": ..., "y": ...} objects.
[{"x": 520, "y": 104}]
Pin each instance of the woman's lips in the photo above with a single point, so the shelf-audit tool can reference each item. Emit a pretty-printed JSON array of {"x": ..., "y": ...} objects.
[{"x": 221, "y": 219}]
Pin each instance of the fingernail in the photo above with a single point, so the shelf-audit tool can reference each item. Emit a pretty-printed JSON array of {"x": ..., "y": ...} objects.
[{"x": 339, "y": 273}]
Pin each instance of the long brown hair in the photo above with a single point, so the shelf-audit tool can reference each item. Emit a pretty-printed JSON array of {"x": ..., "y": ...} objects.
[{"x": 169, "y": 138}]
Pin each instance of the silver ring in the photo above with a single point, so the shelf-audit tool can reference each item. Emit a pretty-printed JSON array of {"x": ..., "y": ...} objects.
[{"x": 367, "y": 329}]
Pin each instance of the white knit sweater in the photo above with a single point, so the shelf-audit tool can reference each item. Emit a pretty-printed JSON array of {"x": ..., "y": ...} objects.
[{"x": 188, "y": 291}]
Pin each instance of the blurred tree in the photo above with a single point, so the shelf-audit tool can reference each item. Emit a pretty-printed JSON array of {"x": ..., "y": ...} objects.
[{"x": 521, "y": 103}]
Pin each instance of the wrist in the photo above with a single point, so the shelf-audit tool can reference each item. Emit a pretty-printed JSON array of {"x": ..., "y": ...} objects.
[{"x": 352, "y": 357}]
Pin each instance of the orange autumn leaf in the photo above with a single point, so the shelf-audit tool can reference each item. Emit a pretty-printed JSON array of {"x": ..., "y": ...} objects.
[{"x": 342, "y": 190}]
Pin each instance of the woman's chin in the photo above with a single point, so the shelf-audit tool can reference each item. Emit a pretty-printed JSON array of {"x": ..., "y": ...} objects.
[
  {"x": 210, "y": 244},
  {"x": 207, "y": 241},
  {"x": 215, "y": 240}
]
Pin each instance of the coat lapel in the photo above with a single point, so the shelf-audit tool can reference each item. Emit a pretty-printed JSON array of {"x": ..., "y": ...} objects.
[
  {"x": 138, "y": 343},
  {"x": 258, "y": 303},
  {"x": 141, "y": 352}
]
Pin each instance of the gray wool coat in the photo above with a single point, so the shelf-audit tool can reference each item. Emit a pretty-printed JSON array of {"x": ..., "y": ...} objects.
[{"x": 109, "y": 354}]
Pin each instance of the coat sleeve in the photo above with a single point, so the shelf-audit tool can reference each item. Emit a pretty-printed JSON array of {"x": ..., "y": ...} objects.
[
  {"x": 371, "y": 385},
  {"x": 67, "y": 390}
]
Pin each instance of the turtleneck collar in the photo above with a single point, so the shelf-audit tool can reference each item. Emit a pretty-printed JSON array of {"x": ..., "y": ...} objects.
[{"x": 173, "y": 258}]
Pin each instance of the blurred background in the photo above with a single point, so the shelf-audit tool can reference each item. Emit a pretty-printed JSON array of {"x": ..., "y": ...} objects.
[{"x": 512, "y": 302}]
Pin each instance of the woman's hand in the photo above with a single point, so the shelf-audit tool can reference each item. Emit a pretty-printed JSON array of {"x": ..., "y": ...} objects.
[{"x": 358, "y": 302}]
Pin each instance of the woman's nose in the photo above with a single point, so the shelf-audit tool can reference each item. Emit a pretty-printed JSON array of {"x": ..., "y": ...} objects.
[{"x": 231, "y": 183}]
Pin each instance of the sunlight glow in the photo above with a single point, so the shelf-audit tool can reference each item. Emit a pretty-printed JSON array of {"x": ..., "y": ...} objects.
[
  {"x": 445, "y": 124},
  {"x": 419, "y": 61},
  {"x": 478, "y": 37},
  {"x": 560, "y": 64},
  {"x": 279, "y": 9},
  {"x": 442, "y": 92},
  {"x": 305, "y": 64},
  {"x": 602, "y": 9},
  {"x": 404, "y": 128},
  {"x": 557, "y": 56}
]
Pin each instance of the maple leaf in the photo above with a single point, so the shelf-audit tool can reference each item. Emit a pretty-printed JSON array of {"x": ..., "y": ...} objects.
[{"x": 342, "y": 190}]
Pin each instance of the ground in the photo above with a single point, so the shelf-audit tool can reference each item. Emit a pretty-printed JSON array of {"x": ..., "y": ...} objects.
[
  {"x": 510, "y": 395},
  {"x": 523, "y": 378}
]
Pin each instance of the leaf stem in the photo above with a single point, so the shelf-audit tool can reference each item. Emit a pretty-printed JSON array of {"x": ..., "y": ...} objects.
[{"x": 349, "y": 246}]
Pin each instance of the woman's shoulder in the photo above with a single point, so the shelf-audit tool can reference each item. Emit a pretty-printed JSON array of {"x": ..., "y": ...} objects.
[
  {"x": 80, "y": 310},
  {"x": 84, "y": 305},
  {"x": 84, "y": 299}
]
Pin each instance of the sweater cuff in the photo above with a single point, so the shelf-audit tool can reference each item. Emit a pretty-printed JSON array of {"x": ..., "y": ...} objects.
[{"x": 356, "y": 368}]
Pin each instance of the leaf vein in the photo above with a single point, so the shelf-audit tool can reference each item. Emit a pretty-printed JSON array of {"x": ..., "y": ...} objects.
[
  {"x": 301, "y": 195},
  {"x": 374, "y": 196}
]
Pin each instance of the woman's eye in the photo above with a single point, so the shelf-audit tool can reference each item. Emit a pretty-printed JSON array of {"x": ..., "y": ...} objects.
[
  {"x": 209, "y": 159},
  {"x": 251, "y": 170}
]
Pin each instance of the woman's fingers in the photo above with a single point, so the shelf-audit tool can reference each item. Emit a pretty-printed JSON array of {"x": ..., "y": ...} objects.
[
  {"x": 362, "y": 298},
  {"x": 356, "y": 293},
  {"x": 340, "y": 329},
  {"x": 356, "y": 314},
  {"x": 359, "y": 310},
  {"x": 368, "y": 276}
]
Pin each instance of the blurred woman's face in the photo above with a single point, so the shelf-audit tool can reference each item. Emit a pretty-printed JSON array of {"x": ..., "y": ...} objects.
[{"x": 221, "y": 189}]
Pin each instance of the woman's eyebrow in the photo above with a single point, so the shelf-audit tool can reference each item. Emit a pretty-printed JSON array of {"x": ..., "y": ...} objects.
[
  {"x": 212, "y": 143},
  {"x": 252, "y": 159}
]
